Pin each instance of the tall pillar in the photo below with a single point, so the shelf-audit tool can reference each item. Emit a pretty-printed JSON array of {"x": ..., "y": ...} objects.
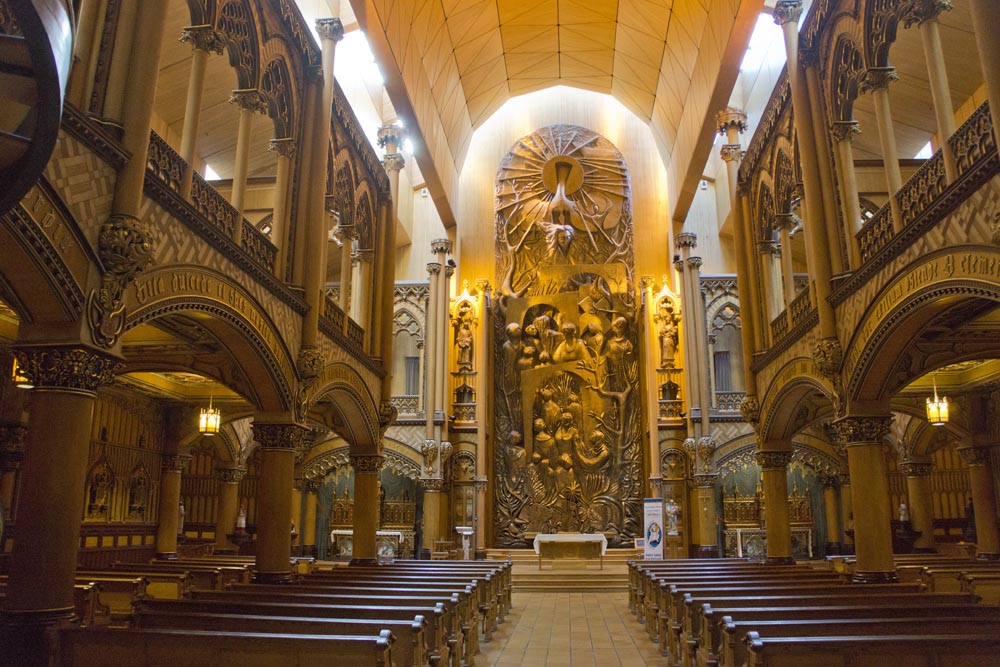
[
  {"x": 785, "y": 223},
  {"x": 296, "y": 504},
  {"x": 690, "y": 390},
  {"x": 114, "y": 91},
  {"x": 864, "y": 438},
  {"x": 926, "y": 15},
  {"x": 308, "y": 528},
  {"x": 685, "y": 242},
  {"x": 843, "y": 133},
  {"x": 347, "y": 234},
  {"x": 918, "y": 475},
  {"x": 228, "y": 492},
  {"x": 697, "y": 308},
  {"x": 876, "y": 81},
  {"x": 432, "y": 514},
  {"x": 430, "y": 377},
  {"x": 981, "y": 484},
  {"x": 203, "y": 40},
  {"x": 364, "y": 287},
  {"x": 168, "y": 524},
  {"x": 846, "y": 511},
  {"x": 713, "y": 391},
  {"x": 483, "y": 405},
  {"x": 442, "y": 248},
  {"x": 774, "y": 481},
  {"x": 39, "y": 593},
  {"x": 651, "y": 361},
  {"x": 832, "y": 513},
  {"x": 284, "y": 151},
  {"x": 985, "y": 19},
  {"x": 278, "y": 443},
  {"x": 249, "y": 102},
  {"x": 770, "y": 257},
  {"x": 366, "y": 503}
]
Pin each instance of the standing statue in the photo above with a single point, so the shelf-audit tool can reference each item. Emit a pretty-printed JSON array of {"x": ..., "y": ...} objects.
[
  {"x": 668, "y": 334},
  {"x": 241, "y": 521},
  {"x": 180, "y": 518},
  {"x": 904, "y": 512},
  {"x": 463, "y": 340},
  {"x": 673, "y": 512}
]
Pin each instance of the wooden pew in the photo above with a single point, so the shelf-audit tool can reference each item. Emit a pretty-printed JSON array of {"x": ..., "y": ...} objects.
[
  {"x": 945, "y": 579},
  {"x": 99, "y": 647},
  {"x": 163, "y": 585},
  {"x": 118, "y": 594},
  {"x": 409, "y": 650},
  {"x": 984, "y": 585},
  {"x": 431, "y": 647},
  {"x": 201, "y": 577},
  {"x": 733, "y": 650},
  {"x": 713, "y": 618},
  {"x": 874, "y": 651}
]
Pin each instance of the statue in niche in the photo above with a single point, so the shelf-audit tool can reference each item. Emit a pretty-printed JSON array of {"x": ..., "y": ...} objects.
[
  {"x": 463, "y": 340},
  {"x": 667, "y": 323},
  {"x": 571, "y": 348}
]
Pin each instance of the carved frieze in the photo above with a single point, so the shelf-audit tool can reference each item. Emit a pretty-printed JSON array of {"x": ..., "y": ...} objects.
[
  {"x": 370, "y": 464},
  {"x": 865, "y": 430},
  {"x": 279, "y": 436},
  {"x": 773, "y": 460},
  {"x": 67, "y": 367}
]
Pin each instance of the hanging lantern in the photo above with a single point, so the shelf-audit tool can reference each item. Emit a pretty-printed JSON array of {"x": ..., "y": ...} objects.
[
  {"x": 209, "y": 419},
  {"x": 21, "y": 380},
  {"x": 937, "y": 408}
]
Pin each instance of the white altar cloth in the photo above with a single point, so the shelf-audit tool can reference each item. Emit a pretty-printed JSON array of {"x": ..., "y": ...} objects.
[{"x": 571, "y": 537}]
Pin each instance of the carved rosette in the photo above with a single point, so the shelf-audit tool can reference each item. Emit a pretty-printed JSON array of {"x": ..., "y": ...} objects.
[
  {"x": 730, "y": 152},
  {"x": 125, "y": 249},
  {"x": 370, "y": 464},
  {"x": 203, "y": 38},
  {"x": 175, "y": 462},
  {"x": 750, "y": 409},
  {"x": 787, "y": 11},
  {"x": 844, "y": 130},
  {"x": 249, "y": 99},
  {"x": 68, "y": 368},
  {"x": 330, "y": 29},
  {"x": 917, "y": 468},
  {"x": 975, "y": 456},
  {"x": 828, "y": 358},
  {"x": 878, "y": 78},
  {"x": 774, "y": 460},
  {"x": 284, "y": 147},
  {"x": 229, "y": 475},
  {"x": 869, "y": 430},
  {"x": 279, "y": 436}
]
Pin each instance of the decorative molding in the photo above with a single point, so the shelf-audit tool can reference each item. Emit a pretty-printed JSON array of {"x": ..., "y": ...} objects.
[
  {"x": 72, "y": 368},
  {"x": 787, "y": 11},
  {"x": 918, "y": 468},
  {"x": 370, "y": 464},
  {"x": 773, "y": 460},
  {"x": 866, "y": 430},
  {"x": 94, "y": 136},
  {"x": 229, "y": 475},
  {"x": 125, "y": 248},
  {"x": 975, "y": 456},
  {"x": 279, "y": 436},
  {"x": 204, "y": 38}
]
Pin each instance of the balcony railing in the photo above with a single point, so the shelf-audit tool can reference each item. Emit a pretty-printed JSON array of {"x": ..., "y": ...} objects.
[
  {"x": 925, "y": 186},
  {"x": 406, "y": 404},
  {"x": 800, "y": 307},
  {"x": 779, "y": 326},
  {"x": 355, "y": 333},
  {"x": 729, "y": 401},
  {"x": 332, "y": 312},
  {"x": 165, "y": 163},
  {"x": 876, "y": 233},
  {"x": 257, "y": 245},
  {"x": 974, "y": 141}
]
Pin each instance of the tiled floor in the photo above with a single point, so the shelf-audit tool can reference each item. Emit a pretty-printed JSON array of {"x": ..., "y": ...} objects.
[{"x": 570, "y": 630}]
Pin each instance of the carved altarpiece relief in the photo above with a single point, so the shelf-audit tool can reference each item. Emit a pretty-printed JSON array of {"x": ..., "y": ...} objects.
[{"x": 567, "y": 409}]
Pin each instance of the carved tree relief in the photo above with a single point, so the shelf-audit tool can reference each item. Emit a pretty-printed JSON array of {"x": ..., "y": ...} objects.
[{"x": 567, "y": 412}]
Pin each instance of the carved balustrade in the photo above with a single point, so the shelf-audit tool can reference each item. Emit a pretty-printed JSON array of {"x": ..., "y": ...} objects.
[
  {"x": 165, "y": 163},
  {"x": 922, "y": 189},
  {"x": 729, "y": 401},
  {"x": 406, "y": 404},
  {"x": 876, "y": 233},
  {"x": 333, "y": 313},
  {"x": 213, "y": 207},
  {"x": 974, "y": 141},
  {"x": 779, "y": 326},
  {"x": 800, "y": 307},
  {"x": 355, "y": 333},
  {"x": 257, "y": 246}
]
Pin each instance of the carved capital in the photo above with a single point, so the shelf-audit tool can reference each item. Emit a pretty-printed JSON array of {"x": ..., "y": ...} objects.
[
  {"x": 686, "y": 240},
  {"x": 750, "y": 409},
  {"x": 786, "y": 11},
  {"x": 68, "y": 368},
  {"x": 248, "y": 99},
  {"x": 694, "y": 262},
  {"x": 387, "y": 414},
  {"x": 175, "y": 462},
  {"x": 730, "y": 152},
  {"x": 449, "y": 271},
  {"x": 975, "y": 456},
  {"x": 330, "y": 29},
  {"x": 828, "y": 358},
  {"x": 310, "y": 485},
  {"x": 441, "y": 246},
  {"x": 285, "y": 147},
  {"x": 774, "y": 460},
  {"x": 844, "y": 479},
  {"x": 844, "y": 130},
  {"x": 926, "y": 10},
  {"x": 393, "y": 162},
  {"x": 917, "y": 468},
  {"x": 229, "y": 475},
  {"x": 431, "y": 484},
  {"x": 309, "y": 362},
  {"x": 742, "y": 188},
  {"x": 204, "y": 38},
  {"x": 370, "y": 464},
  {"x": 705, "y": 480},
  {"x": 279, "y": 436},
  {"x": 829, "y": 481},
  {"x": 784, "y": 221},
  {"x": 866, "y": 430},
  {"x": 363, "y": 255},
  {"x": 480, "y": 483},
  {"x": 433, "y": 268},
  {"x": 483, "y": 286},
  {"x": 878, "y": 78},
  {"x": 730, "y": 118},
  {"x": 390, "y": 137},
  {"x": 647, "y": 282},
  {"x": 346, "y": 233},
  {"x": 125, "y": 249}
]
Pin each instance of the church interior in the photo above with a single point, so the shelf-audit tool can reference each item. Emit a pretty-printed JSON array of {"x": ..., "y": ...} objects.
[{"x": 445, "y": 332}]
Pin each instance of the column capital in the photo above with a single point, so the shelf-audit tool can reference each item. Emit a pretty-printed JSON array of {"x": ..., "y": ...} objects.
[
  {"x": 768, "y": 248},
  {"x": 387, "y": 413},
  {"x": 730, "y": 118},
  {"x": 975, "y": 456},
  {"x": 203, "y": 38},
  {"x": 310, "y": 485},
  {"x": 917, "y": 468},
  {"x": 829, "y": 481},
  {"x": 694, "y": 262},
  {"x": 449, "y": 271},
  {"x": 229, "y": 475},
  {"x": 730, "y": 152},
  {"x": 844, "y": 479},
  {"x": 346, "y": 233},
  {"x": 367, "y": 463},
  {"x": 787, "y": 11},
  {"x": 483, "y": 286},
  {"x": 705, "y": 480},
  {"x": 926, "y": 10},
  {"x": 393, "y": 162},
  {"x": 428, "y": 484},
  {"x": 284, "y": 147},
  {"x": 248, "y": 99},
  {"x": 750, "y": 409},
  {"x": 433, "y": 268},
  {"x": 784, "y": 221},
  {"x": 390, "y": 137},
  {"x": 773, "y": 460},
  {"x": 330, "y": 29},
  {"x": 175, "y": 462},
  {"x": 844, "y": 130},
  {"x": 878, "y": 78},
  {"x": 647, "y": 282},
  {"x": 441, "y": 246},
  {"x": 363, "y": 255},
  {"x": 67, "y": 367},
  {"x": 862, "y": 430},
  {"x": 285, "y": 436},
  {"x": 686, "y": 240}
]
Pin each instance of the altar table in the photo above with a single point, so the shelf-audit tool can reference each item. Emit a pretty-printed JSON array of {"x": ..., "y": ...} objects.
[{"x": 578, "y": 546}]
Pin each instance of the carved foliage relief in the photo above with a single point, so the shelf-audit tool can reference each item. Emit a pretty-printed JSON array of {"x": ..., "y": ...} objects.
[{"x": 567, "y": 413}]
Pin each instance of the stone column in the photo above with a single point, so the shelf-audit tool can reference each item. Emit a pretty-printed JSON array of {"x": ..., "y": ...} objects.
[
  {"x": 692, "y": 360},
  {"x": 168, "y": 522},
  {"x": 11, "y": 456},
  {"x": 925, "y": 14},
  {"x": 483, "y": 406},
  {"x": 346, "y": 234},
  {"x": 308, "y": 528},
  {"x": 430, "y": 365},
  {"x": 39, "y": 593},
  {"x": 442, "y": 312},
  {"x": 296, "y": 504},
  {"x": 225, "y": 518},
  {"x": 697, "y": 307},
  {"x": 846, "y": 511},
  {"x": 832, "y": 513},
  {"x": 771, "y": 271},
  {"x": 203, "y": 40},
  {"x": 918, "y": 476},
  {"x": 864, "y": 438},
  {"x": 713, "y": 391},
  {"x": 985, "y": 19},
  {"x": 249, "y": 102},
  {"x": 843, "y": 133},
  {"x": 114, "y": 92},
  {"x": 689, "y": 379},
  {"x": 876, "y": 81},
  {"x": 981, "y": 484},
  {"x": 774, "y": 481},
  {"x": 366, "y": 503},
  {"x": 278, "y": 443},
  {"x": 651, "y": 361},
  {"x": 284, "y": 150},
  {"x": 390, "y": 138},
  {"x": 364, "y": 287},
  {"x": 785, "y": 223}
]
